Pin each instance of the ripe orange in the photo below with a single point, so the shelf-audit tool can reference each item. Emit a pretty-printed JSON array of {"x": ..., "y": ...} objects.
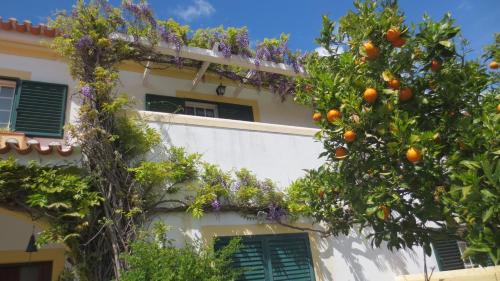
[
  {"x": 340, "y": 152},
  {"x": 399, "y": 42},
  {"x": 435, "y": 65},
  {"x": 372, "y": 51},
  {"x": 413, "y": 155},
  {"x": 350, "y": 136},
  {"x": 333, "y": 115},
  {"x": 317, "y": 116},
  {"x": 394, "y": 84},
  {"x": 370, "y": 95},
  {"x": 321, "y": 194},
  {"x": 405, "y": 94},
  {"x": 386, "y": 211},
  {"x": 498, "y": 107},
  {"x": 494, "y": 65},
  {"x": 393, "y": 34}
]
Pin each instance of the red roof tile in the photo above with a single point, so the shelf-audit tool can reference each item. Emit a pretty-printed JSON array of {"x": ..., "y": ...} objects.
[
  {"x": 26, "y": 27},
  {"x": 23, "y": 147}
]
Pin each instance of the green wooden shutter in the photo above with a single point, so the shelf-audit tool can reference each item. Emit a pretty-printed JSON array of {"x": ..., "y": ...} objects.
[
  {"x": 235, "y": 111},
  {"x": 272, "y": 257},
  {"x": 448, "y": 255},
  {"x": 290, "y": 258},
  {"x": 40, "y": 108},
  {"x": 164, "y": 104},
  {"x": 250, "y": 259}
]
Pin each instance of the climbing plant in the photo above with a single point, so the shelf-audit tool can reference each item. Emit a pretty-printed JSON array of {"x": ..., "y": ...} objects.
[{"x": 410, "y": 132}]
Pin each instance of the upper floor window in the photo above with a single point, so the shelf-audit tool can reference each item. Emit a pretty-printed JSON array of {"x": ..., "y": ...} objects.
[
  {"x": 177, "y": 105},
  {"x": 7, "y": 89},
  {"x": 34, "y": 108},
  {"x": 200, "y": 109}
]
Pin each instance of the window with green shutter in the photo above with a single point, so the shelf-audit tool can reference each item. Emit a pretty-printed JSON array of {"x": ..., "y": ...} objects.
[
  {"x": 195, "y": 107},
  {"x": 39, "y": 109},
  {"x": 448, "y": 254},
  {"x": 272, "y": 257}
]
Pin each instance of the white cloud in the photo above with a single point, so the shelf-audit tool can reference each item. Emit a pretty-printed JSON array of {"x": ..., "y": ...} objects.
[
  {"x": 199, "y": 8},
  {"x": 322, "y": 52}
]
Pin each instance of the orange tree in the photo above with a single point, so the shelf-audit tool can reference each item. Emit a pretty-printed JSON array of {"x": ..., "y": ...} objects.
[{"x": 410, "y": 132}]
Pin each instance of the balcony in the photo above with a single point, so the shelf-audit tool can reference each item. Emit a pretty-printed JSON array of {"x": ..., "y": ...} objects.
[{"x": 278, "y": 152}]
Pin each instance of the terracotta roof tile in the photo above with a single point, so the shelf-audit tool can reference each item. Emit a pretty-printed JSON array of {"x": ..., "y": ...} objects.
[
  {"x": 25, "y": 147},
  {"x": 12, "y": 24}
]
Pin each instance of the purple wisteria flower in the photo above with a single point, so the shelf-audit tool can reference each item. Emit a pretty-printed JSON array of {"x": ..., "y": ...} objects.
[
  {"x": 141, "y": 11},
  {"x": 84, "y": 43},
  {"x": 86, "y": 91},
  {"x": 216, "y": 205},
  {"x": 275, "y": 212}
]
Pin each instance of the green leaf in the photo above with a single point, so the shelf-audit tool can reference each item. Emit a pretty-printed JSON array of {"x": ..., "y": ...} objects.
[
  {"x": 487, "y": 215},
  {"x": 446, "y": 43}
]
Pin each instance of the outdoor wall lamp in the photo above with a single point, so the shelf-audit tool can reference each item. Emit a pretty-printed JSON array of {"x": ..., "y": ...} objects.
[{"x": 221, "y": 90}]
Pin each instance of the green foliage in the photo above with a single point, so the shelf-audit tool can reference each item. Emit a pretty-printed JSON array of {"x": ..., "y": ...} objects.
[
  {"x": 450, "y": 119},
  {"x": 63, "y": 194},
  {"x": 134, "y": 137},
  {"x": 158, "y": 260},
  {"x": 239, "y": 191}
]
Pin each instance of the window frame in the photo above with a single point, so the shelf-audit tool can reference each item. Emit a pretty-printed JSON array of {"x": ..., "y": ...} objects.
[
  {"x": 202, "y": 105},
  {"x": 16, "y": 81},
  {"x": 15, "y": 104}
]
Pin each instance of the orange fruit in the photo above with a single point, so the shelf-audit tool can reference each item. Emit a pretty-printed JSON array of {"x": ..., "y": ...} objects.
[
  {"x": 321, "y": 194},
  {"x": 405, "y": 94},
  {"x": 399, "y": 42},
  {"x": 413, "y": 155},
  {"x": 317, "y": 116},
  {"x": 386, "y": 211},
  {"x": 498, "y": 107},
  {"x": 370, "y": 95},
  {"x": 494, "y": 65},
  {"x": 333, "y": 115},
  {"x": 350, "y": 136},
  {"x": 340, "y": 152},
  {"x": 393, "y": 34},
  {"x": 372, "y": 51},
  {"x": 394, "y": 84},
  {"x": 435, "y": 65}
]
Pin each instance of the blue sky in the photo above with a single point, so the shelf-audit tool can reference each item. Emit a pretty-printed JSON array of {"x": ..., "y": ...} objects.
[{"x": 300, "y": 18}]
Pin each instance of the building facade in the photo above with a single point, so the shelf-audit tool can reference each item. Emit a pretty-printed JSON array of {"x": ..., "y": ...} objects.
[{"x": 244, "y": 128}]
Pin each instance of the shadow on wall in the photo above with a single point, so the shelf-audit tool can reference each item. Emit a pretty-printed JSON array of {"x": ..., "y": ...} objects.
[{"x": 357, "y": 253}]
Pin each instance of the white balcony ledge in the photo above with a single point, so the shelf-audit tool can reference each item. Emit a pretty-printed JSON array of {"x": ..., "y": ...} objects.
[{"x": 150, "y": 116}]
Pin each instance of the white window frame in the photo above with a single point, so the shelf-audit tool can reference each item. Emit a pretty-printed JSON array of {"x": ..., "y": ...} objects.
[
  {"x": 462, "y": 245},
  {"x": 8, "y": 84},
  {"x": 204, "y": 106}
]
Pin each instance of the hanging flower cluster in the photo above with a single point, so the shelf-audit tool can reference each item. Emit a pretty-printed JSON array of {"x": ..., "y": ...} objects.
[{"x": 141, "y": 24}]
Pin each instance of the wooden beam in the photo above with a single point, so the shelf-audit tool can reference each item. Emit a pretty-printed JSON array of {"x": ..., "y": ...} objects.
[
  {"x": 239, "y": 88},
  {"x": 145, "y": 75},
  {"x": 202, "y": 70},
  {"x": 213, "y": 56}
]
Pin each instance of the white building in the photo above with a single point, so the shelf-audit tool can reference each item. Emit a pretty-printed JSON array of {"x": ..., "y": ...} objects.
[{"x": 275, "y": 142}]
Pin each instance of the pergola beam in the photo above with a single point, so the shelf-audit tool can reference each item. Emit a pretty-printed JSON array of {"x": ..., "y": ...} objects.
[
  {"x": 214, "y": 56},
  {"x": 147, "y": 70},
  {"x": 202, "y": 70}
]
